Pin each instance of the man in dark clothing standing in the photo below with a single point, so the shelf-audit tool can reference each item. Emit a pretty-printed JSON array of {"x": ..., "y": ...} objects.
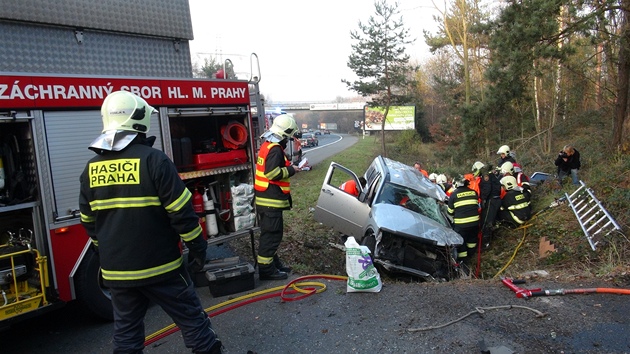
[
  {"x": 273, "y": 195},
  {"x": 568, "y": 162},
  {"x": 490, "y": 195},
  {"x": 136, "y": 209}
]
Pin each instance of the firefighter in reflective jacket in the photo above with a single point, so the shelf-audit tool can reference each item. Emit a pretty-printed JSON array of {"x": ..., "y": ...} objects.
[
  {"x": 463, "y": 206},
  {"x": 273, "y": 195},
  {"x": 515, "y": 205},
  {"x": 136, "y": 210}
]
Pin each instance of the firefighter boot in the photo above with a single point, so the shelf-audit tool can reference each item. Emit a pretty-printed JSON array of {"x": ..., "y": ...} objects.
[
  {"x": 281, "y": 267},
  {"x": 270, "y": 272}
]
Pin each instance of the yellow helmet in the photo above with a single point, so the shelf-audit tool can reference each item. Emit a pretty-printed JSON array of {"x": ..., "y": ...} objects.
[
  {"x": 122, "y": 110},
  {"x": 284, "y": 126},
  {"x": 476, "y": 168},
  {"x": 507, "y": 167},
  {"x": 124, "y": 115},
  {"x": 508, "y": 182}
]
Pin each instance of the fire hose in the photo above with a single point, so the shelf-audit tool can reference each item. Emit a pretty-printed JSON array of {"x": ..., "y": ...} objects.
[
  {"x": 527, "y": 293},
  {"x": 296, "y": 289},
  {"x": 524, "y": 227}
]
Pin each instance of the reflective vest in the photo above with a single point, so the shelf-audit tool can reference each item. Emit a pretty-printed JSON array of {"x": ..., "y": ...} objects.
[{"x": 266, "y": 195}]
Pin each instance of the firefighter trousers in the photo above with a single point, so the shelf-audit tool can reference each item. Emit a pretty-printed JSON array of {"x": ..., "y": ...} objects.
[
  {"x": 177, "y": 297},
  {"x": 469, "y": 248},
  {"x": 488, "y": 216},
  {"x": 271, "y": 232}
]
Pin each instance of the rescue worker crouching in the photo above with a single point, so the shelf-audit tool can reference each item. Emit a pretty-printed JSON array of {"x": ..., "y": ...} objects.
[
  {"x": 136, "y": 209},
  {"x": 510, "y": 169},
  {"x": 273, "y": 195},
  {"x": 463, "y": 206},
  {"x": 515, "y": 205}
]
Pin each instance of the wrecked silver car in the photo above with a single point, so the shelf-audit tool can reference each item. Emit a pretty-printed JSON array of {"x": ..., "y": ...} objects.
[{"x": 399, "y": 214}]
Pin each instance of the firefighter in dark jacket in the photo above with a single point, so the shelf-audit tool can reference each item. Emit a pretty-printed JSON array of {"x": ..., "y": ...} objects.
[
  {"x": 273, "y": 195},
  {"x": 505, "y": 155},
  {"x": 515, "y": 205},
  {"x": 463, "y": 205},
  {"x": 136, "y": 210},
  {"x": 490, "y": 196}
]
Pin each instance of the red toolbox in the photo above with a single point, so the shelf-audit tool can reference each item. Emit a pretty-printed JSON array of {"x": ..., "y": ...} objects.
[{"x": 219, "y": 159}]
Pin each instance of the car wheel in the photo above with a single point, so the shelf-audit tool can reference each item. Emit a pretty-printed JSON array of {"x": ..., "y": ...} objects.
[
  {"x": 90, "y": 289},
  {"x": 369, "y": 240}
]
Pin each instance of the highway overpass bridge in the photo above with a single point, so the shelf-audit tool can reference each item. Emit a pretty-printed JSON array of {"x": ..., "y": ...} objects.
[{"x": 299, "y": 106}]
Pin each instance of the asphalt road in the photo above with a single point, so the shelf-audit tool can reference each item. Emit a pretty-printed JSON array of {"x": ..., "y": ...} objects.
[
  {"x": 461, "y": 313},
  {"x": 329, "y": 145}
]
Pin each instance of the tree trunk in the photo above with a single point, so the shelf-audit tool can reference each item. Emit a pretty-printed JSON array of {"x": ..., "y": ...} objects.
[{"x": 621, "y": 107}]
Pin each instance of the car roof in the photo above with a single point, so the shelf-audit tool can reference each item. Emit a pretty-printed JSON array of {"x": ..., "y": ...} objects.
[{"x": 405, "y": 175}]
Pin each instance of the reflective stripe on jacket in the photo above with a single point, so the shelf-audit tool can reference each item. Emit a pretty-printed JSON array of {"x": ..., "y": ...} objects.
[
  {"x": 463, "y": 205},
  {"x": 136, "y": 208},
  {"x": 271, "y": 182}
]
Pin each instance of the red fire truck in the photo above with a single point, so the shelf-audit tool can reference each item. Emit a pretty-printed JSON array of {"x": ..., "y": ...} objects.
[{"x": 206, "y": 126}]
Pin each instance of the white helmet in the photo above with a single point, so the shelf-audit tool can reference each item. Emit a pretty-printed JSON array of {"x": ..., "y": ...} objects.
[
  {"x": 283, "y": 127},
  {"x": 476, "y": 168},
  {"x": 441, "y": 178},
  {"x": 433, "y": 177},
  {"x": 508, "y": 182},
  {"x": 507, "y": 167},
  {"x": 504, "y": 149},
  {"x": 124, "y": 115}
]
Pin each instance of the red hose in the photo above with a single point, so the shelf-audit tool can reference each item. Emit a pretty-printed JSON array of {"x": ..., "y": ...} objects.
[{"x": 289, "y": 289}]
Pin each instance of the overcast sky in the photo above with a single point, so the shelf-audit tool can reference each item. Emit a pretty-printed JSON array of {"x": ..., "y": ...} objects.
[{"x": 302, "y": 46}]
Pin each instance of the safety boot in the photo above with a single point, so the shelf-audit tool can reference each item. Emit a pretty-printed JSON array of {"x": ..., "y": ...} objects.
[
  {"x": 270, "y": 272},
  {"x": 280, "y": 266}
]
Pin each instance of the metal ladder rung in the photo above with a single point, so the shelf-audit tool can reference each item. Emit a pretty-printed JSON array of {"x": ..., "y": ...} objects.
[
  {"x": 601, "y": 228},
  {"x": 591, "y": 209},
  {"x": 582, "y": 199},
  {"x": 592, "y": 217}
]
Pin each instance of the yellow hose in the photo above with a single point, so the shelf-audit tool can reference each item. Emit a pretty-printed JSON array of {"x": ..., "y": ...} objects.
[{"x": 296, "y": 285}]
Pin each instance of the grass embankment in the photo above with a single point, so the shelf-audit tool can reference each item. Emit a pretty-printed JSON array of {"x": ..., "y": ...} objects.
[{"x": 306, "y": 244}]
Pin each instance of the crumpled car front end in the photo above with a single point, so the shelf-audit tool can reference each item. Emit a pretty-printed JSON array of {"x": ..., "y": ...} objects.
[{"x": 411, "y": 243}]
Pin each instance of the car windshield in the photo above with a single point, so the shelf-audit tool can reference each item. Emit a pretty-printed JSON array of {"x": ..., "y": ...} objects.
[{"x": 413, "y": 200}]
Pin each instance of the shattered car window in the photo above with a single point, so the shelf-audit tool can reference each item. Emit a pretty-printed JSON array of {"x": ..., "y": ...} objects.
[{"x": 412, "y": 200}]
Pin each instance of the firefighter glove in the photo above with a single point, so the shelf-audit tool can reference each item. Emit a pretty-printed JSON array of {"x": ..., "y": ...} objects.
[
  {"x": 196, "y": 261},
  {"x": 197, "y": 253}
]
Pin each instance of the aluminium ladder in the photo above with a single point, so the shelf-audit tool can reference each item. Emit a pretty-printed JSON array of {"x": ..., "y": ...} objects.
[{"x": 594, "y": 219}]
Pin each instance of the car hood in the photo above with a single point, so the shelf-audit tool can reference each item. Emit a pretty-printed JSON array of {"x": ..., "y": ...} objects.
[{"x": 407, "y": 223}]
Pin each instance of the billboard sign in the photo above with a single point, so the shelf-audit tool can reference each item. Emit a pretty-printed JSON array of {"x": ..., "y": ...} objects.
[{"x": 398, "y": 118}]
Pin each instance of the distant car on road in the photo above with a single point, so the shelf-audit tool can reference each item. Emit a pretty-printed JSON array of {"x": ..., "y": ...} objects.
[
  {"x": 326, "y": 131},
  {"x": 309, "y": 140},
  {"x": 399, "y": 215},
  {"x": 318, "y": 132}
]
